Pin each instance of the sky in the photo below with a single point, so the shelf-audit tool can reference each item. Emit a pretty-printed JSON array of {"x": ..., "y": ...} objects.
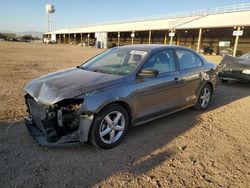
[{"x": 29, "y": 15}]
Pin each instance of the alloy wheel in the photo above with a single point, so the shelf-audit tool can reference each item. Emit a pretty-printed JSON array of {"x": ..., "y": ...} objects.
[
  {"x": 112, "y": 127},
  {"x": 205, "y": 97}
]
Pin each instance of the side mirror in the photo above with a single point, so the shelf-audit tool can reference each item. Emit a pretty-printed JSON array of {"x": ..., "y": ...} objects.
[{"x": 148, "y": 73}]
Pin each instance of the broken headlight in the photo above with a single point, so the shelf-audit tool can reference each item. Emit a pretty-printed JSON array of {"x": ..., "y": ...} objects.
[{"x": 68, "y": 114}]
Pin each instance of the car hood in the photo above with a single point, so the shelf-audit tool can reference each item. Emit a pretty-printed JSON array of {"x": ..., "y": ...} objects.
[{"x": 67, "y": 84}]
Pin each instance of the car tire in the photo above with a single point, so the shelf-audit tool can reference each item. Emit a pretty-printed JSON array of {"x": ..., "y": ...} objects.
[
  {"x": 204, "y": 97},
  {"x": 109, "y": 127}
]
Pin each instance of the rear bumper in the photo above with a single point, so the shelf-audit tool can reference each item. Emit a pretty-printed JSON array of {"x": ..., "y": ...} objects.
[{"x": 73, "y": 139}]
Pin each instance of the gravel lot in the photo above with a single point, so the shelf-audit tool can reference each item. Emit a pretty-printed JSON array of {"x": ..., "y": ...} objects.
[{"x": 186, "y": 149}]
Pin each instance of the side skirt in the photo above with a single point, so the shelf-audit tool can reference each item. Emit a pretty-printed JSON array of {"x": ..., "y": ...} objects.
[{"x": 161, "y": 115}]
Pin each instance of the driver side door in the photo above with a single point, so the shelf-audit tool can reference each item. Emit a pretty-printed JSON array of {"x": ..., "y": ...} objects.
[{"x": 160, "y": 94}]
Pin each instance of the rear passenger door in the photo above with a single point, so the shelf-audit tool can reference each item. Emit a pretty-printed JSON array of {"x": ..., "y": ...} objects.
[{"x": 191, "y": 68}]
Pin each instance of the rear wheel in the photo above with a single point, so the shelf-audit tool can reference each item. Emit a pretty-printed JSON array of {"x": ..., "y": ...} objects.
[
  {"x": 109, "y": 126},
  {"x": 204, "y": 97}
]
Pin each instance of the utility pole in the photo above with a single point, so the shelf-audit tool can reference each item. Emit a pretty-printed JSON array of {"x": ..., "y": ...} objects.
[
  {"x": 199, "y": 41},
  {"x": 236, "y": 42}
]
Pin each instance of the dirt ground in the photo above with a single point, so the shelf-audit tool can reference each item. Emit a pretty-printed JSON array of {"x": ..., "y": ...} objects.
[{"x": 186, "y": 149}]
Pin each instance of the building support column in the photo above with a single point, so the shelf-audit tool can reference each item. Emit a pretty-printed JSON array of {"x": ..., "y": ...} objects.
[
  {"x": 74, "y": 38},
  {"x": 69, "y": 38},
  {"x": 236, "y": 43},
  {"x": 81, "y": 38},
  {"x": 165, "y": 38},
  {"x": 59, "y": 38},
  {"x": 88, "y": 39},
  {"x": 199, "y": 41},
  {"x": 132, "y": 36},
  {"x": 178, "y": 40},
  {"x": 63, "y": 38},
  {"x": 118, "y": 39},
  {"x": 149, "y": 36},
  {"x": 171, "y": 38}
]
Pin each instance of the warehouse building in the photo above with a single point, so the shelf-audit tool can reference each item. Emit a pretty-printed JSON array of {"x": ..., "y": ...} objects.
[{"x": 211, "y": 30}]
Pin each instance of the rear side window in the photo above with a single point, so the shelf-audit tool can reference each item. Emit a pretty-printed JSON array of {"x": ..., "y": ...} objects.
[{"x": 188, "y": 59}]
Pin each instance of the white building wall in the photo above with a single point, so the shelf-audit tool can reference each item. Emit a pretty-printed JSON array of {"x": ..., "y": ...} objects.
[
  {"x": 103, "y": 38},
  {"x": 53, "y": 37}
]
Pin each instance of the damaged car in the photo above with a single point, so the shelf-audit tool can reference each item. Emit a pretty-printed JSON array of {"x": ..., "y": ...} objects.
[
  {"x": 235, "y": 68},
  {"x": 101, "y": 99}
]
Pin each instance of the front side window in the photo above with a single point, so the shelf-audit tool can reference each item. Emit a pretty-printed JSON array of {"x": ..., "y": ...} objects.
[
  {"x": 116, "y": 61},
  {"x": 161, "y": 61},
  {"x": 188, "y": 59}
]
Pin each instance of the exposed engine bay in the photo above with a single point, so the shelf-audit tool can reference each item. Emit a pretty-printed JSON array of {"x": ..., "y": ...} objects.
[{"x": 58, "y": 124}]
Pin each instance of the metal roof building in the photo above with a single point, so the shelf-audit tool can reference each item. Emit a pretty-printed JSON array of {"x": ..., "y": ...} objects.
[{"x": 195, "y": 29}]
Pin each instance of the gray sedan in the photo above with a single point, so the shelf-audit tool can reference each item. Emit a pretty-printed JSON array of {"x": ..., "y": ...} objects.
[{"x": 101, "y": 99}]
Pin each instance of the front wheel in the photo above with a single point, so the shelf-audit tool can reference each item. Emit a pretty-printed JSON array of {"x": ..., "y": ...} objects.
[
  {"x": 109, "y": 126},
  {"x": 204, "y": 97}
]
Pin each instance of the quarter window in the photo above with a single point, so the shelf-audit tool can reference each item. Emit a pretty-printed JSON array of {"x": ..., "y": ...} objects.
[
  {"x": 188, "y": 59},
  {"x": 162, "y": 61}
]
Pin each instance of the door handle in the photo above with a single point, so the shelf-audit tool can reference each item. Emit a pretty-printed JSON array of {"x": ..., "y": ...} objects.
[{"x": 176, "y": 79}]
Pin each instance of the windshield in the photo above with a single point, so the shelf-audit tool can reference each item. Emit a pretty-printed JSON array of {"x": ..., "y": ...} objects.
[{"x": 115, "y": 61}]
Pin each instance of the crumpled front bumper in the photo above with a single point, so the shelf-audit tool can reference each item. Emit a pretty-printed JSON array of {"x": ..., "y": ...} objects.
[{"x": 73, "y": 139}]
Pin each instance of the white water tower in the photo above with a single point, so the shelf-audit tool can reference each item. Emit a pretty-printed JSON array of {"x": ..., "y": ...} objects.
[{"x": 50, "y": 10}]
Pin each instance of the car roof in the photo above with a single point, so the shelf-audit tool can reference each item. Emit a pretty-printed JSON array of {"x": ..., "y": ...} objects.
[{"x": 150, "y": 47}]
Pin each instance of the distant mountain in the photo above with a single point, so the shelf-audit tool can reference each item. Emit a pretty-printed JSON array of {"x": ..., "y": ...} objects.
[
  {"x": 6, "y": 31},
  {"x": 33, "y": 33}
]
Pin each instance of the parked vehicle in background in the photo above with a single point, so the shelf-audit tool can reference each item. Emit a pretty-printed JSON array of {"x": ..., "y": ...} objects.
[
  {"x": 229, "y": 51},
  {"x": 226, "y": 51},
  {"x": 235, "y": 68},
  {"x": 208, "y": 50},
  {"x": 49, "y": 41},
  {"x": 125, "y": 86}
]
